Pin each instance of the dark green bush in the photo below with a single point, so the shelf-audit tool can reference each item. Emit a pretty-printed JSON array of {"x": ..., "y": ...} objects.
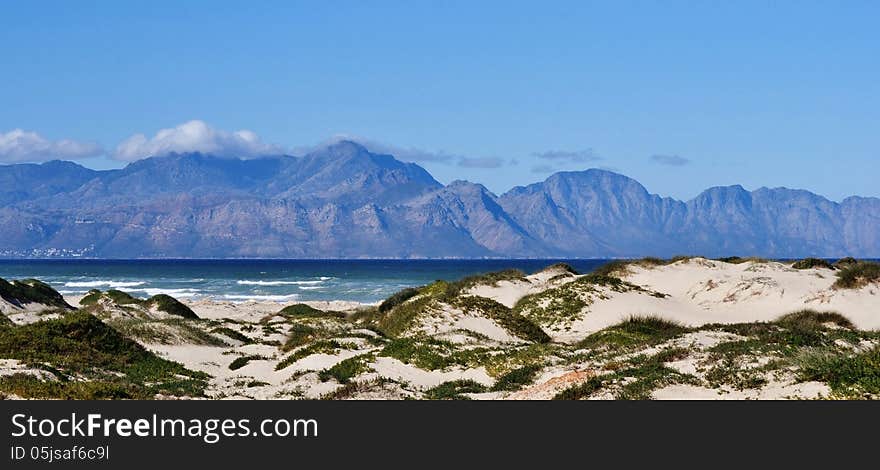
[
  {"x": 230, "y": 333},
  {"x": 857, "y": 275},
  {"x": 562, "y": 266},
  {"x": 398, "y": 298},
  {"x": 347, "y": 369},
  {"x": 171, "y": 306},
  {"x": 812, "y": 320},
  {"x": 811, "y": 263},
  {"x": 849, "y": 260},
  {"x": 299, "y": 335},
  {"x": 635, "y": 331},
  {"x": 852, "y": 376},
  {"x": 516, "y": 379},
  {"x": 306, "y": 311},
  {"x": 453, "y": 390},
  {"x": 31, "y": 291},
  {"x": 513, "y": 322},
  {"x": 82, "y": 344},
  {"x": 242, "y": 361}
]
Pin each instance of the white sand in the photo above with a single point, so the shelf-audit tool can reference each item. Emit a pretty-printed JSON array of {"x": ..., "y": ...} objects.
[
  {"x": 705, "y": 291},
  {"x": 701, "y": 291},
  {"x": 772, "y": 391},
  {"x": 394, "y": 369},
  {"x": 698, "y": 292}
]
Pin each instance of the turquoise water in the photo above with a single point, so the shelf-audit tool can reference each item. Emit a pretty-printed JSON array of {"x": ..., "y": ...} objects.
[{"x": 277, "y": 280}]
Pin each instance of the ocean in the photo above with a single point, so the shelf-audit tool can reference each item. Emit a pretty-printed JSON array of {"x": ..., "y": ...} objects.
[{"x": 274, "y": 280}]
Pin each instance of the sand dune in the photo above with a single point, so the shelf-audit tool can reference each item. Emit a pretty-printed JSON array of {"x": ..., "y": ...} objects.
[{"x": 703, "y": 329}]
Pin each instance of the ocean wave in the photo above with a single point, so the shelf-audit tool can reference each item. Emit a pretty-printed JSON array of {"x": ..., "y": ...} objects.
[
  {"x": 171, "y": 292},
  {"x": 112, "y": 284},
  {"x": 266, "y": 283},
  {"x": 274, "y": 298},
  {"x": 280, "y": 283},
  {"x": 311, "y": 287}
]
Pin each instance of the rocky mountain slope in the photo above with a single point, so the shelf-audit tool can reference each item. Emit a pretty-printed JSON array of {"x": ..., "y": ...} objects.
[{"x": 344, "y": 202}]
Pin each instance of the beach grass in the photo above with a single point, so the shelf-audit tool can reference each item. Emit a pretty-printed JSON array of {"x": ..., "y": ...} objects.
[
  {"x": 860, "y": 274},
  {"x": 80, "y": 344}
]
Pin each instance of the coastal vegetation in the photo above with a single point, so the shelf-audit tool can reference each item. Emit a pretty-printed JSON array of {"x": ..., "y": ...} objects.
[
  {"x": 31, "y": 291},
  {"x": 86, "y": 359},
  {"x": 161, "y": 302},
  {"x": 812, "y": 263},
  {"x": 859, "y": 274},
  {"x": 498, "y": 335}
]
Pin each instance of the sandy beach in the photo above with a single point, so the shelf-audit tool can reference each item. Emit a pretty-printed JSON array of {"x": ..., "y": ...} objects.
[{"x": 688, "y": 329}]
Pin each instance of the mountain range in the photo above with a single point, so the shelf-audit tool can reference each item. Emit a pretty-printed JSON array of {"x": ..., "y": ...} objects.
[{"x": 342, "y": 201}]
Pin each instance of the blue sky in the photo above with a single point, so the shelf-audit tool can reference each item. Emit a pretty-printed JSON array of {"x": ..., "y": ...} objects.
[{"x": 679, "y": 95}]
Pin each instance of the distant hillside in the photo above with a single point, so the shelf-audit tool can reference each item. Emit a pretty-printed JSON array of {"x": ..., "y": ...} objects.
[{"x": 343, "y": 201}]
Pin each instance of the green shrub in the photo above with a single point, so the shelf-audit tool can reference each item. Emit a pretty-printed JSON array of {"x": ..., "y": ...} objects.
[
  {"x": 400, "y": 318},
  {"x": 811, "y": 263},
  {"x": 29, "y": 386},
  {"x": 165, "y": 331},
  {"x": 116, "y": 296},
  {"x": 230, "y": 333},
  {"x": 637, "y": 380},
  {"x": 319, "y": 347},
  {"x": 347, "y": 369},
  {"x": 447, "y": 291},
  {"x": 580, "y": 391},
  {"x": 242, "y": 361},
  {"x": 516, "y": 379},
  {"x": 91, "y": 298},
  {"x": 492, "y": 278},
  {"x": 635, "y": 331},
  {"x": 857, "y": 275},
  {"x": 160, "y": 302},
  {"x": 513, "y": 322},
  {"x": 299, "y": 335},
  {"x": 562, "y": 266},
  {"x": 650, "y": 374},
  {"x": 305, "y": 311},
  {"x": 556, "y": 305},
  {"x": 851, "y": 376},
  {"x": 812, "y": 320},
  {"x": 80, "y": 343},
  {"x": 787, "y": 334},
  {"x": 430, "y": 353},
  {"x": 398, "y": 298},
  {"x": 738, "y": 260},
  {"x": 352, "y": 388},
  {"x": 453, "y": 390},
  {"x": 612, "y": 268},
  {"x": 848, "y": 261},
  {"x": 31, "y": 291},
  {"x": 122, "y": 298},
  {"x": 171, "y": 306}
]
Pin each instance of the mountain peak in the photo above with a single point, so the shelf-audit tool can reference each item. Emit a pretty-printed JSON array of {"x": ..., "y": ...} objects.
[
  {"x": 344, "y": 201},
  {"x": 342, "y": 148}
]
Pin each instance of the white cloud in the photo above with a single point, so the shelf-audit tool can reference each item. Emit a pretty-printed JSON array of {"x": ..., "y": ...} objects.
[
  {"x": 577, "y": 156},
  {"x": 18, "y": 146},
  {"x": 195, "y": 136},
  {"x": 409, "y": 154},
  {"x": 482, "y": 162},
  {"x": 671, "y": 160},
  {"x": 544, "y": 169}
]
